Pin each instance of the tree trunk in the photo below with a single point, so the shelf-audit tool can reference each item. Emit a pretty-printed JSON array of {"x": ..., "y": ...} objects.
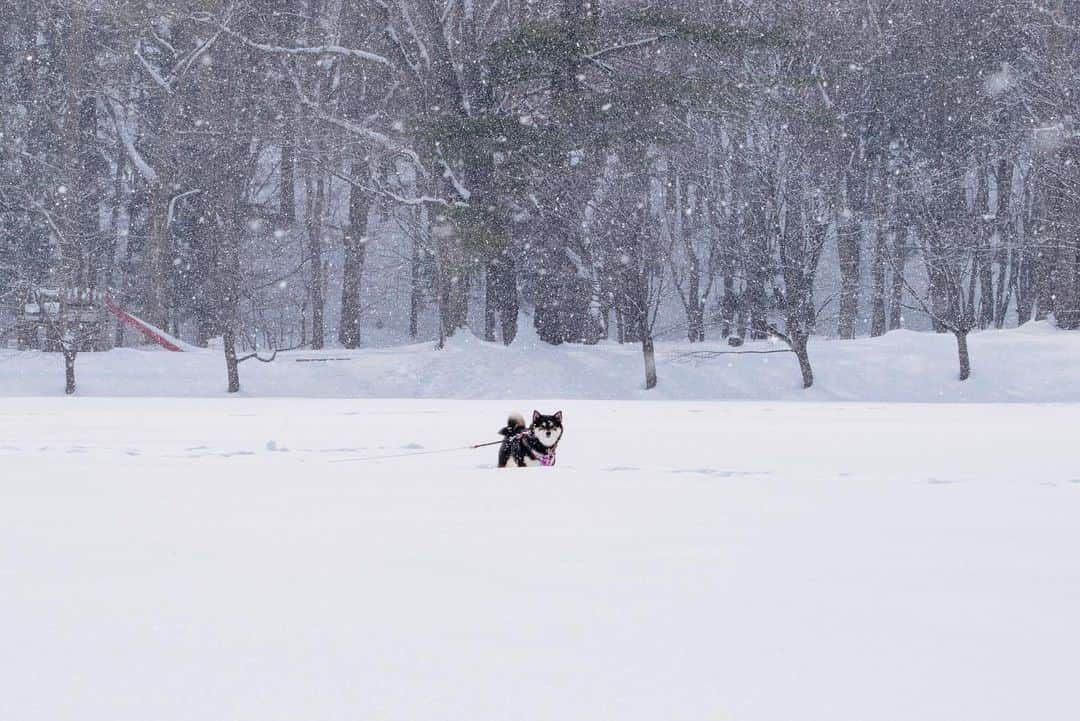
[
  {"x": 287, "y": 207},
  {"x": 1003, "y": 289},
  {"x": 1043, "y": 274},
  {"x": 415, "y": 291},
  {"x": 696, "y": 321},
  {"x": 695, "y": 311},
  {"x": 962, "y": 350},
  {"x": 490, "y": 290},
  {"x": 230, "y": 298},
  {"x": 354, "y": 241},
  {"x": 798, "y": 345},
  {"x": 154, "y": 309},
  {"x": 500, "y": 301},
  {"x": 982, "y": 269},
  {"x": 69, "y": 370},
  {"x": 1003, "y": 172},
  {"x": 896, "y": 294},
  {"x": 351, "y": 284},
  {"x": 233, "y": 188},
  {"x": 649, "y": 352},
  {"x": 878, "y": 320},
  {"x": 848, "y": 251},
  {"x": 508, "y": 305},
  {"x": 75, "y": 198},
  {"x": 939, "y": 295},
  {"x": 313, "y": 226},
  {"x": 728, "y": 306},
  {"x": 1028, "y": 290},
  {"x": 285, "y": 15},
  {"x": 754, "y": 298},
  {"x": 1026, "y": 286},
  {"x": 232, "y": 368},
  {"x": 453, "y": 296}
]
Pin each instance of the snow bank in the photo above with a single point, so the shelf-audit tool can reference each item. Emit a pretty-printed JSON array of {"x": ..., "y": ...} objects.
[{"x": 1033, "y": 363}]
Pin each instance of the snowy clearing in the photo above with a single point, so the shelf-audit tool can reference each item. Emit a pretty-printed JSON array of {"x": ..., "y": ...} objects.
[
  {"x": 213, "y": 559},
  {"x": 1036, "y": 363}
]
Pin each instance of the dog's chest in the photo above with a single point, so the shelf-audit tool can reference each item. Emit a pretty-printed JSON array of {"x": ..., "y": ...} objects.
[{"x": 545, "y": 459}]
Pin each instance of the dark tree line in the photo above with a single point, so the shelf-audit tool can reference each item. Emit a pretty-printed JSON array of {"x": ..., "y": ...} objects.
[{"x": 279, "y": 173}]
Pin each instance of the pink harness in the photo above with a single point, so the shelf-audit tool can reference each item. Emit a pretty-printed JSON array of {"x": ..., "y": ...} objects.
[{"x": 548, "y": 459}]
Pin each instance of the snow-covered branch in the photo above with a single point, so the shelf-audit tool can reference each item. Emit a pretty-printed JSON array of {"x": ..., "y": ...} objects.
[
  {"x": 627, "y": 46},
  {"x": 317, "y": 50},
  {"x": 174, "y": 200},
  {"x": 154, "y": 74},
  {"x": 414, "y": 201},
  {"x": 124, "y": 134},
  {"x": 452, "y": 177},
  {"x": 380, "y": 139}
]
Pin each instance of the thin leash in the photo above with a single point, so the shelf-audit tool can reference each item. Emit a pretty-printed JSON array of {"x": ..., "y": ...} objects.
[{"x": 417, "y": 453}]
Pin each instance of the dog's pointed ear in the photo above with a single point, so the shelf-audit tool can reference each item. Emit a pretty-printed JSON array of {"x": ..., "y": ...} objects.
[
  {"x": 536, "y": 416},
  {"x": 558, "y": 416}
]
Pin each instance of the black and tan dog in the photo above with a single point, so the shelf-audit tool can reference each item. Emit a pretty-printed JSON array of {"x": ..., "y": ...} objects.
[{"x": 532, "y": 445}]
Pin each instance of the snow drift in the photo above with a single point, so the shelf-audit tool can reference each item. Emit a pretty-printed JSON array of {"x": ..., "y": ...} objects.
[{"x": 1036, "y": 363}]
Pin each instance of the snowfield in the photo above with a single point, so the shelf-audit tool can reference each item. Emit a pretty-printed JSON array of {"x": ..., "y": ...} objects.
[{"x": 236, "y": 559}]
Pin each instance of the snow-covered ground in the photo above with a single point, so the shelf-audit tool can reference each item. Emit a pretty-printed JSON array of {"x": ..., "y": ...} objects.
[
  {"x": 233, "y": 558},
  {"x": 1033, "y": 363}
]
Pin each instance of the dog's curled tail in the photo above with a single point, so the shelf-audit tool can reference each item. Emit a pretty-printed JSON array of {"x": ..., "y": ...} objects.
[{"x": 514, "y": 424}]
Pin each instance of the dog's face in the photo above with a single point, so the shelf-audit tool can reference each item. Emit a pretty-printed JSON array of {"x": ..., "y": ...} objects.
[{"x": 547, "y": 429}]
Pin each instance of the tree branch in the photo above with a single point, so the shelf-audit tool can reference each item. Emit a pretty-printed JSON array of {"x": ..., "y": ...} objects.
[
  {"x": 273, "y": 355},
  {"x": 317, "y": 50},
  {"x": 627, "y": 46}
]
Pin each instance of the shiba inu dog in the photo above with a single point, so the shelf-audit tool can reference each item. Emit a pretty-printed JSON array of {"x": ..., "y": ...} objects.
[{"x": 532, "y": 445}]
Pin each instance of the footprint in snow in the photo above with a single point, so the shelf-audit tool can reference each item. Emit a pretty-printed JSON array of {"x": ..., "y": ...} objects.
[
  {"x": 210, "y": 453},
  {"x": 714, "y": 472},
  {"x": 412, "y": 447}
]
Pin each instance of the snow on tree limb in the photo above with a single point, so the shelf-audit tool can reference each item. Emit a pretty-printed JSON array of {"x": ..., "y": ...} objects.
[
  {"x": 154, "y": 74},
  {"x": 421, "y": 47},
  {"x": 172, "y": 204},
  {"x": 627, "y": 46},
  {"x": 380, "y": 139},
  {"x": 412, "y": 202},
  {"x": 452, "y": 177},
  {"x": 124, "y": 134},
  {"x": 308, "y": 50},
  {"x": 186, "y": 62}
]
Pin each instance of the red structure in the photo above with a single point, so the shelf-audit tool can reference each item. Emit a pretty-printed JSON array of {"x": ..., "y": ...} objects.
[{"x": 157, "y": 335}]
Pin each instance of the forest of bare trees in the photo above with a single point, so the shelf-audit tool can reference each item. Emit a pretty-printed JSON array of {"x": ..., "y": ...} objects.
[{"x": 271, "y": 174}]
